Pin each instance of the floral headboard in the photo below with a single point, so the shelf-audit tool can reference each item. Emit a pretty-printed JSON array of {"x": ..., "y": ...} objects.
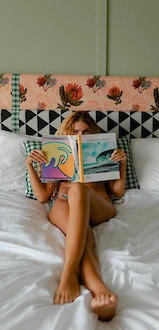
[{"x": 36, "y": 104}]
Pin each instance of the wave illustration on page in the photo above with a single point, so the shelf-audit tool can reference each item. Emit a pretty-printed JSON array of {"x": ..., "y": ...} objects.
[
  {"x": 96, "y": 155},
  {"x": 60, "y": 158}
]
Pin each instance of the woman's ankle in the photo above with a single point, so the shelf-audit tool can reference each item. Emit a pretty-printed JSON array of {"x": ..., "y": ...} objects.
[{"x": 70, "y": 268}]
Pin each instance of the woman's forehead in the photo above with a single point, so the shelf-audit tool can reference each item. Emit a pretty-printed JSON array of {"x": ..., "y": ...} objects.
[{"x": 81, "y": 123}]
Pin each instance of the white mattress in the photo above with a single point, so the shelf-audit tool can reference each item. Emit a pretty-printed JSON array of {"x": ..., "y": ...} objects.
[{"x": 31, "y": 260}]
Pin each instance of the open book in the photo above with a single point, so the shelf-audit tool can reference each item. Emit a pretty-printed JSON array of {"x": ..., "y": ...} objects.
[{"x": 76, "y": 158}]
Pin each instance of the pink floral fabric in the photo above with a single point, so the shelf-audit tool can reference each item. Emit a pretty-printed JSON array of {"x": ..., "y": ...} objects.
[
  {"x": 6, "y": 91},
  {"x": 68, "y": 92},
  {"x": 101, "y": 93}
]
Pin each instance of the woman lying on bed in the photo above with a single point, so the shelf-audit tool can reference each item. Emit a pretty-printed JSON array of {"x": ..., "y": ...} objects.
[{"x": 77, "y": 207}]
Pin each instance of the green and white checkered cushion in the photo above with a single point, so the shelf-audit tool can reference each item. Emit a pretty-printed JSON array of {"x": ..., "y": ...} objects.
[
  {"x": 30, "y": 146},
  {"x": 124, "y": 143}
]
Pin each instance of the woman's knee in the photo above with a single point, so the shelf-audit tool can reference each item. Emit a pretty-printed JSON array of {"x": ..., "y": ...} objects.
[{"x": 78, "y": 190}]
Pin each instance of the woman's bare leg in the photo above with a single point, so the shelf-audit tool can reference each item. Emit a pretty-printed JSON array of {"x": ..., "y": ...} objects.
[
  {"x": 77, "y": 213},
  {"x": 104, "y": 301}
]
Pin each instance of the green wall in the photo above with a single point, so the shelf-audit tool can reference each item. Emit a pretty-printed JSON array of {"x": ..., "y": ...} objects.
[
  {"x": 59, "y": 36},
  {"x": 133, "y": 29},
  {"x": 113, "y": 37}
]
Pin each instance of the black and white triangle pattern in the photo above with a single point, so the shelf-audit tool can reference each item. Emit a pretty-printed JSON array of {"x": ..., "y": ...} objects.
[
  {"x": 137, "y": 124},
  {"x": 44, "y": 122},
  {"x": 40, "y": 122},
  {"x": 6, "y": 120}
]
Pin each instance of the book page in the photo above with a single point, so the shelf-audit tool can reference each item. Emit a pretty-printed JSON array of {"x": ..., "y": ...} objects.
[
  {"x": 96, "y": 153},
  {"x": 61, "y": 153}
]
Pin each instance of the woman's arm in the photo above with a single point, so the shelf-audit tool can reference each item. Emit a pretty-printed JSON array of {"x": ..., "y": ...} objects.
[
  {"x": 117, "y": 187},
  {"x": 41, "y": 190}
]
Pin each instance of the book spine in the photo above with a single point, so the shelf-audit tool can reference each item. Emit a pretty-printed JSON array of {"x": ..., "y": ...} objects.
[{"x": 81, "y": 172}]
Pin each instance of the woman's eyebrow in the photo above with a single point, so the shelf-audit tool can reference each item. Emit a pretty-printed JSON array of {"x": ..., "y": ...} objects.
[{"x": 85, "y": 130}]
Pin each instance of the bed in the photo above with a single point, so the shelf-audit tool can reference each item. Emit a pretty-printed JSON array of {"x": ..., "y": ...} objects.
[
  {"x": 32, "y": 249},
  {"x": 32, "y": 252}
]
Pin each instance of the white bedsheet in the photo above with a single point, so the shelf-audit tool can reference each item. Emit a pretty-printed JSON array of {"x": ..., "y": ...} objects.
[{"x": 31, "y": 260}]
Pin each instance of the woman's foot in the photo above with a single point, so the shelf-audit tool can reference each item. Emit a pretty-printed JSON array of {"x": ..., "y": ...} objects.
[
  {"x": 104, "y": 304},
  {"x": 68, "y": 289}
]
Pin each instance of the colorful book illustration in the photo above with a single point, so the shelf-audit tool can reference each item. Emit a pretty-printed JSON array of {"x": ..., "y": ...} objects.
[{"x": 78, "y": 158}]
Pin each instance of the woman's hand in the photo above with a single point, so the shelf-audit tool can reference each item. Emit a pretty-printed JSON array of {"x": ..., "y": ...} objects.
[
  {"x": 117, "y": 187},
  {"x": 36, "y": 156},
  {"x": 118, "y": 156}
]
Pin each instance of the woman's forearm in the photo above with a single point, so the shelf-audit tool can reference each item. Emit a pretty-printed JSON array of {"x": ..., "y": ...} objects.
[
  {"x": 119, "y": 184},
  {"x": 39, "y": 188}
]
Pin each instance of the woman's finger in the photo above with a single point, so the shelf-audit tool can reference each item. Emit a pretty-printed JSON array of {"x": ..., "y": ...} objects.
[
  {"x": 118, "y": 156},
  {"x": 38, "y": 156},
  {"x": 38, "y": 152}
]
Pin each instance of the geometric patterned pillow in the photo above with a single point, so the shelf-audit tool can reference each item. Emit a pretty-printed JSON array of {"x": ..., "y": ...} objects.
[
  {"x": 30, "y": 146},
  {"x": 124, "y": 143}
]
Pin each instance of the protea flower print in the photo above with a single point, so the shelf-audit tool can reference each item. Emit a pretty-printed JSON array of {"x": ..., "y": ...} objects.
[
  {"x": 141, "y": 84},
  {"x": 156, "y": 98},
  {"x": 41, "y": 106},
  {"x": 70, "y": 96},
  {"x": 135, "y": 107},
  {"x": 46, "y": 81},
  {"x": 41, "y": 81},
  {"x": 95, "y": 83},
  {"x": 22, "y": 93},
  {"x": 115, "y": 94},
  {"x": 3, "y": 80}
]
